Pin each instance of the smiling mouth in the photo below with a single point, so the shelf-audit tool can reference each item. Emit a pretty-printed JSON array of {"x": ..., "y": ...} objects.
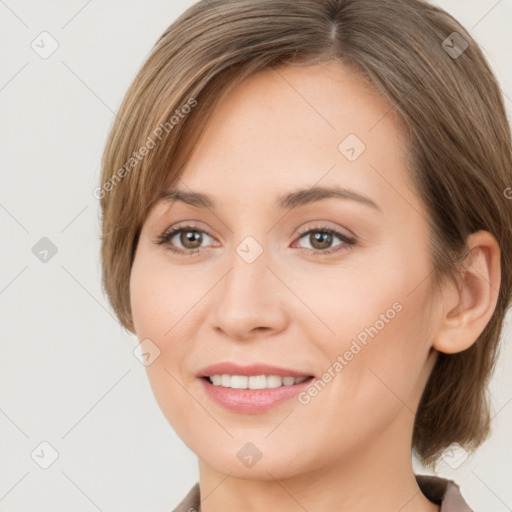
[{"x": 254, "y": 381}]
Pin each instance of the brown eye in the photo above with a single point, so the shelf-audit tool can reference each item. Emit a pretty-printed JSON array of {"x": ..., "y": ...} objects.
[
  {"x": 190, "y": 239},
  {"x": 184, "y": 239},
  {"x": 320, "y": 240}
]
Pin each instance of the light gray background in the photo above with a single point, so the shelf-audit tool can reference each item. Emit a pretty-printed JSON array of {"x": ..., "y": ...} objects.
[{"x": 67, "y": 372}]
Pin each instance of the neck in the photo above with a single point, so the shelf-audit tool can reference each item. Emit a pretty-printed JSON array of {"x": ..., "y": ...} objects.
[{"x": 377, "y": 476}]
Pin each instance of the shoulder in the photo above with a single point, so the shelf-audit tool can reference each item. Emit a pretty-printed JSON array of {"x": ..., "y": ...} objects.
[{"x": 443, "y": 492}]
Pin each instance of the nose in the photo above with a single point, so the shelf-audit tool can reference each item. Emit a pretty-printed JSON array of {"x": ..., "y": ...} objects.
[{"x": 250, "y": 300}]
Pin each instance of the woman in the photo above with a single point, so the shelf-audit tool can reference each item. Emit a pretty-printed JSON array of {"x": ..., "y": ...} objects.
[{"x": 306, "y": 225}]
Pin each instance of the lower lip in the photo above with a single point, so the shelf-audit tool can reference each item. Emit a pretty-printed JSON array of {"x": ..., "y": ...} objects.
[{"x": 252, "y": 400}]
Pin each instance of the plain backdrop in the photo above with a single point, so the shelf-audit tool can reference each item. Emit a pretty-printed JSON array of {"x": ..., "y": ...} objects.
[{"x": 73, "y": 396}]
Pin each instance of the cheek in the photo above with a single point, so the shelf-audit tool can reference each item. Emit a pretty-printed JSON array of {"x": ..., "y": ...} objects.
[
  {"x": 163, "y": 311},
  {"x": 379, "y": 322},
  {"x": 383, "y": 294},
  {"x": 383, "y": 338},
  {"x": 163, "y": 296}
]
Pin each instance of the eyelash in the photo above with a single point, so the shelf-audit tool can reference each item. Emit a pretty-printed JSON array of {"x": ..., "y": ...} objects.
[{"x": 348, "y": 242}]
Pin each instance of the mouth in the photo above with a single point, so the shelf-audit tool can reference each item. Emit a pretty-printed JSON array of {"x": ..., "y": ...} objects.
[{"x": 252, "y": 394}]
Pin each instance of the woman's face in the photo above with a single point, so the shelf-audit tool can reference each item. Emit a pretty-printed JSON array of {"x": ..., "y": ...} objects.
[{"x": 257, "y": 282}]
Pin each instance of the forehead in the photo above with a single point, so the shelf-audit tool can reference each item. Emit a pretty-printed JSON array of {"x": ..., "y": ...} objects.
[{"x": 293, "y": 127}]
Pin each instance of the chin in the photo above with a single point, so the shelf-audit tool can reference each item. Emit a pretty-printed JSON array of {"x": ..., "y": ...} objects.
[{"x": 245, "y": 461}]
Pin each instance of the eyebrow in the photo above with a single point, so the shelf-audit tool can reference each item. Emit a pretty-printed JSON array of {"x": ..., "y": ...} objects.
[{"x": 300, "y": 197}]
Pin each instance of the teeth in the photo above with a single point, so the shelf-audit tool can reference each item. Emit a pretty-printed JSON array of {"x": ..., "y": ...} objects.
[
  {"x": 239, "y": 381},
  {"x": 254, "y": 381},
  {"x": 257, "y": 382}
]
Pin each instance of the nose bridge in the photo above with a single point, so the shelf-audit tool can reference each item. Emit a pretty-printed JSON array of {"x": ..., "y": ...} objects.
[
  {"x": 247, "y": 282},
  {"x": 248, "y": 297}
]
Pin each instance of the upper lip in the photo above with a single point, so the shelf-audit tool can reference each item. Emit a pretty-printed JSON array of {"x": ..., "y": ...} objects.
[{"x": 252, "y": 369}]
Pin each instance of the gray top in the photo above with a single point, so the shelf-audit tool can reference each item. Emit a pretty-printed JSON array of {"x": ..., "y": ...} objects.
[{"x": 438, "y": 490}]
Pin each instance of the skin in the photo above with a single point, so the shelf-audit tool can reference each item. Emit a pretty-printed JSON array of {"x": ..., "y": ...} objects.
[{"x": 348, "y": 449}]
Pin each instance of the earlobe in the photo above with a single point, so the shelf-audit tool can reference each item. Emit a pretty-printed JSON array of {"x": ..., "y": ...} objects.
[{"x": 467, "y": 310}]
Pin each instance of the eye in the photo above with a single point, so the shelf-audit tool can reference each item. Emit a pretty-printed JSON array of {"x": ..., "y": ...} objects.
[
  {"x": 190, "y": 237},
  {"x": 320, "y": 239}
]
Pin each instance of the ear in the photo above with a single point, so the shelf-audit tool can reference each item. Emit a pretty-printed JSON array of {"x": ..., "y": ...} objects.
[{"x": 467, "y": 310}]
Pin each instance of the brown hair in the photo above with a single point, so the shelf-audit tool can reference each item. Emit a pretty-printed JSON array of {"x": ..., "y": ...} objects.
[{"x": 459, "y": 149}]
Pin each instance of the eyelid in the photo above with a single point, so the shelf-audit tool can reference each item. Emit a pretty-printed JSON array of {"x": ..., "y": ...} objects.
[
  {"x": 185, "y": 224},
  {"x": 322, "y": 225}
]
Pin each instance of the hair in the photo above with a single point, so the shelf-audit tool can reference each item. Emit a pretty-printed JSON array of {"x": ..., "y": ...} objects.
[{"x": 459, "y": 148}]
